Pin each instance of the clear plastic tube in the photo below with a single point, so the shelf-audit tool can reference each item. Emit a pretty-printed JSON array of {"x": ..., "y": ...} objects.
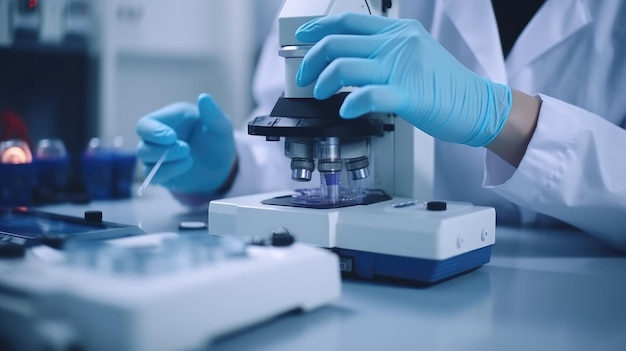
[{"x": 153, "y": 171}]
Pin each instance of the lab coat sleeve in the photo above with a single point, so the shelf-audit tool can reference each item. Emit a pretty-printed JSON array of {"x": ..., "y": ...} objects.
[{"x": 574, "y": 170}]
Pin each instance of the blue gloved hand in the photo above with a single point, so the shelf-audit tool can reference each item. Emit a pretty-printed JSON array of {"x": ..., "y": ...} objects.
[
  {"x": 401, "y": 69},
  {"x": 200, "y": 143}
]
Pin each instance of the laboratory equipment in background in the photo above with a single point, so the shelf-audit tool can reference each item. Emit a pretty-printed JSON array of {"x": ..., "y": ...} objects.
[
  {"x": 374, "y": 204},
  {"x": 106, "y": 172},
  {"x": 108, "y": 169},
  {"x": 155, "y": 292},
  {"x": 18, "y": 174},
  {"x": 54, "y": 171},
  {"x": 76, "y": 69},
  {"x": 45, "y": 22},
  {"x": 49, "y": 70}
]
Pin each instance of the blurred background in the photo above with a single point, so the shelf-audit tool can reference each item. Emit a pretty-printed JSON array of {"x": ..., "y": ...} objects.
[{"x": 78, "y": 69}]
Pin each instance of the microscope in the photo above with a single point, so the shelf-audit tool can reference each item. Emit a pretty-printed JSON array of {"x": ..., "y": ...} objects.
[{"x": 373, "y": 206}]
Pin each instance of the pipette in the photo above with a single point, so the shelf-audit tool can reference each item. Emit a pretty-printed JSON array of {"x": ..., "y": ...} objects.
[{"x": 153, "y": 171}]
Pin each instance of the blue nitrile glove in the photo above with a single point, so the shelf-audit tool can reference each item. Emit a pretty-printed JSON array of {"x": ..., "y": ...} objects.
[
  {"x": 401, "y": 69},
  {"x": 200, "y": 142}
]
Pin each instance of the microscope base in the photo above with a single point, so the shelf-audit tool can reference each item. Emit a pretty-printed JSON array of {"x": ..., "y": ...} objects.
[
  {"x": 368, "y": 265},
  {"x": 396, "y": 239}
]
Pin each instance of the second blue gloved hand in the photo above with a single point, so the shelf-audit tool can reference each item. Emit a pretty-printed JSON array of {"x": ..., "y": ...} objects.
[
  {"x": 401, "y": 69},
  {"x": 200, "y": 143}
]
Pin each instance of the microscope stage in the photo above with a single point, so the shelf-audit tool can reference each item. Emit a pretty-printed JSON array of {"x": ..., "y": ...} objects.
[{"x": 400, "y": 238}]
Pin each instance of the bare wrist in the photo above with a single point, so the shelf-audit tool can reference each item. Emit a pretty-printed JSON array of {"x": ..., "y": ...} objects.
[{"x": 512, "y": 141}]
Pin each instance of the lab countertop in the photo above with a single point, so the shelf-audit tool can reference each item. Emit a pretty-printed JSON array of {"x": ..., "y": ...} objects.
[{"x": 543, "y": 290}]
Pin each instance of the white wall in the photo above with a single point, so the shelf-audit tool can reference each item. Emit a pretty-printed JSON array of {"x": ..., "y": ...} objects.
[{"x": 155, "y": 52}]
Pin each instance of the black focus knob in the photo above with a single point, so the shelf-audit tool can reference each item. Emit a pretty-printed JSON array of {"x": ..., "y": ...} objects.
[
  {"x": 282, "y": 237},
  {"x": 436, "y": 205}
]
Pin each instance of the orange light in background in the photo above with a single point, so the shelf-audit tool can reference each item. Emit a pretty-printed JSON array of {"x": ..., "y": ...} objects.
[{"x": 15, "y": 152}]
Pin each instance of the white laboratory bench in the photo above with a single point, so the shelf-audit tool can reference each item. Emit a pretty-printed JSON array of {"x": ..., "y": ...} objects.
[{"x": 542, "y": 290}]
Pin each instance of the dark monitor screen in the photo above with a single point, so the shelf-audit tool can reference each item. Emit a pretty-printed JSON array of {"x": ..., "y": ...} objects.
[
  {"x": 31, "y": 225},
  {"x": 38, "y": 226}
]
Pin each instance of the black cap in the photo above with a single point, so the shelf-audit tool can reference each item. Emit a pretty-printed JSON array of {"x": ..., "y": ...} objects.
[
  {"x": 93, "y": 216},
  {"x": 11, "y": 250}
]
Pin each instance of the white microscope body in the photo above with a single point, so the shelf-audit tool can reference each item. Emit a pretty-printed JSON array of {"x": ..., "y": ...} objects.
[{"x": 374, "y": 205}]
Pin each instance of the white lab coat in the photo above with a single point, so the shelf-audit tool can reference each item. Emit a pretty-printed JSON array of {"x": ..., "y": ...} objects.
[{"x": 572, "y": 55}]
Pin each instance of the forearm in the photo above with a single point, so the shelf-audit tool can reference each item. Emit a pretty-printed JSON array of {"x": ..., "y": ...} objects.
[
  {"x": 570, "y": 171},
  {"x": 512, "y": 141}
]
